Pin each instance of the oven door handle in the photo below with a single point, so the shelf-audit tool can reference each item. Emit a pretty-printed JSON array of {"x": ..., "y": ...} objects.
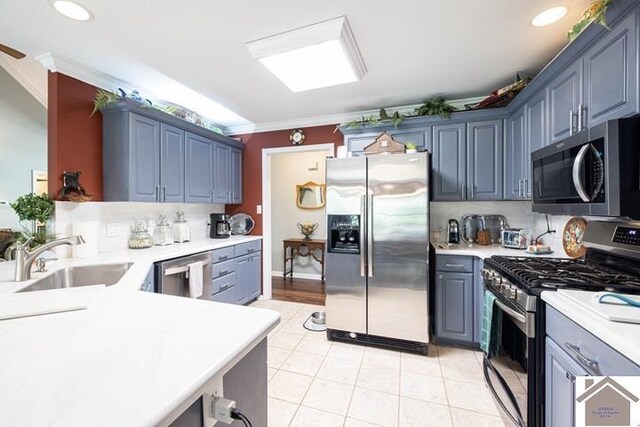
[
  {"x": 578, "y": 164},
  {"x": 517, "y": 420},
  {"x": 511, "y": 312}
]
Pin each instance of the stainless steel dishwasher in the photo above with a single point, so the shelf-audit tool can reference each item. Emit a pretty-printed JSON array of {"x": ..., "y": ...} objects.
[{"x": 172, "y": 276}]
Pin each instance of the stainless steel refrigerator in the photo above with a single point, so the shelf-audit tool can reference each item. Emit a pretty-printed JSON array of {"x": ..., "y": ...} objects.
[{"x": 377, "y": 261}]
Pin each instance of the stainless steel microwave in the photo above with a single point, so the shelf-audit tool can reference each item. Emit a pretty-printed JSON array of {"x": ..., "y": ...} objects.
[{"x": 594, "y": 172}]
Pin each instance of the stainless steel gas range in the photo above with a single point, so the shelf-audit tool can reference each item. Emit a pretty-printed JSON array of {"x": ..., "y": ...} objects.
[{"x": 516, "y": 375}]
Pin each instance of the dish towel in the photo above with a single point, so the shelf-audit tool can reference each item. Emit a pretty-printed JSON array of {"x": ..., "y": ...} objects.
[
  {"x": 195, "y": 279},
  {"x": 491, "y": 327}
]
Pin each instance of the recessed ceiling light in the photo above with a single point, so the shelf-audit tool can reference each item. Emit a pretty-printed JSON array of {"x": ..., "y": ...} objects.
[
  {"x": 71, "y": 9},
  {"x": 312, "y": 57},
  {"x": 549, "y": 16}
]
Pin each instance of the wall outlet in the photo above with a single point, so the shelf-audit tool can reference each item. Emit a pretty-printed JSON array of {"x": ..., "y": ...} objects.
[
  {"x": 114, "y": 229},
  {"x": 259, "y": 209}
]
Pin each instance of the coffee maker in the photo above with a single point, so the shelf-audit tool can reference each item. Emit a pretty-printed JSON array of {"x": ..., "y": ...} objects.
[
  {"x": 220, "y": 227},
  {"x": 453, "y": 232}
]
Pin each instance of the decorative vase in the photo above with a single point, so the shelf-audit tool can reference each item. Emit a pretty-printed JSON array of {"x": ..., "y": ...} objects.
[{"x": 307, "y": 229}]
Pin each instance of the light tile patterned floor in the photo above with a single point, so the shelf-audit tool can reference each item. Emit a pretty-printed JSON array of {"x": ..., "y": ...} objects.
[{"x": 316, "y": 382}]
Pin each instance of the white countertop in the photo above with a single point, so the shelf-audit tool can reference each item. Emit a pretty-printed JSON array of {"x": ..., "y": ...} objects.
[
  {"x": 130, "y": 359},
  {"x": 620, "y": 336},
  {"x": 482, "y": 252}
]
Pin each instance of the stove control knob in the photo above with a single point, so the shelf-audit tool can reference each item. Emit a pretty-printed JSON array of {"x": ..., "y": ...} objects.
[{"x": 511, "y": 293}]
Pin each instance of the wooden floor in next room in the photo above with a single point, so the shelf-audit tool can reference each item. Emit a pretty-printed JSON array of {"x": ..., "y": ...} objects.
[{"x": 303, "y": 291}]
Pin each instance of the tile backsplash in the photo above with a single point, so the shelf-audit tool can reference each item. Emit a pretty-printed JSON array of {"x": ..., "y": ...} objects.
[
  {"x": 518, "y": 214},
  {"x": 120, "y": 216}
]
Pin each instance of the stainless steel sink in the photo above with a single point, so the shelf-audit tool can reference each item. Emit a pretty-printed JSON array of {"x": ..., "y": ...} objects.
[{"x": 85, "y": 275}]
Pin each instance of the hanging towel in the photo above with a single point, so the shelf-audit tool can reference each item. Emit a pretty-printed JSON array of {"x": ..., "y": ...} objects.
[
  {"x": 491, "y": 327},
  {"x": 195, "y": 279}
]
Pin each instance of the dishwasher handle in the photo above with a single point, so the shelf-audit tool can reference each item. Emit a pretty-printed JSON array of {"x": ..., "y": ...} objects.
[{"x": 182, "y": 269}]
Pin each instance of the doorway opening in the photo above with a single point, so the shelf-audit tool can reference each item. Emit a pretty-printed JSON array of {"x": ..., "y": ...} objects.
[{"x": 292, "y": 194}]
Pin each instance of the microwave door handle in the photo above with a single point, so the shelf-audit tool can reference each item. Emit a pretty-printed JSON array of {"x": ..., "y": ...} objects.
[{"x": 578, "y": 163}]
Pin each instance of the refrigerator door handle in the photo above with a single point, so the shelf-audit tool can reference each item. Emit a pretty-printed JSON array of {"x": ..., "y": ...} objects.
[
  {"x": 363, "y": 207},
  {"x": 370, "y": 236}
]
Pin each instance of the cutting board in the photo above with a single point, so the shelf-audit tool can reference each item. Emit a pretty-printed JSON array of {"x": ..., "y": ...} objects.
[
  {"x": 51, "y": 301},
  {"x": 613, "y": 310}
]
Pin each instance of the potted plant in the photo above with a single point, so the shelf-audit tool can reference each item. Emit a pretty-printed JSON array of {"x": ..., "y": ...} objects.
[
  {"x": 35, "y": 208},
  {"x": 410, "y": 147}
]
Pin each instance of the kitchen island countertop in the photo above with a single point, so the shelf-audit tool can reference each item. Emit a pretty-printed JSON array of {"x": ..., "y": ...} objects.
[{"x": 132, "y": 358}]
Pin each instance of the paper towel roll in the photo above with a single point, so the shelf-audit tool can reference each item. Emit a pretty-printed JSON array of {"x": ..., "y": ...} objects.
[{"x": 89, "y": 232}]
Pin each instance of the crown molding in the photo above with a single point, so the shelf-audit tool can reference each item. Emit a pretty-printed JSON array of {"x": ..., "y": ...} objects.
[
  {"x": 58, "y": 64},
  {"x": 20, "y": 78},
  {"x": 333, "y": 119}
]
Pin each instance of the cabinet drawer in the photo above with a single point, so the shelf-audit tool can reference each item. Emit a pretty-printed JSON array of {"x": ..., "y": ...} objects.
[
  {"x": 223, "y": 283},
  {"x": 223, "y": 268},
  {"x": 456, "y": 263},
  {"x": 223, "y": 254},
  {"x": 247, "y": 248},
  {"x": 566, "y": 333},
  {"x": 228, "y": 295}
]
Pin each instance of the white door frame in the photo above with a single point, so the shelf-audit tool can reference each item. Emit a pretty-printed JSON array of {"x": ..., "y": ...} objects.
[{"x": 266, "y": 204}]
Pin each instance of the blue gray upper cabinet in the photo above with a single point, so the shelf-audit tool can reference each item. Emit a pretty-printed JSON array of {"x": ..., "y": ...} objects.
[
  {"x": 171, "y": 164},
  {"x": 516, "y": 155},
  {"x": 131, "y": 158},
  {"x": 564, "y": 97},
  {"x": 144, "y": 155},
  {"x": 236, "y": 176},
  {"x": 485, "y": 163},
  {"x": 611, "y": 74},
  {"x": 222, "y": 173},
  {"x": 199, "y": 169},
  {"x": 450, "y": 162}
]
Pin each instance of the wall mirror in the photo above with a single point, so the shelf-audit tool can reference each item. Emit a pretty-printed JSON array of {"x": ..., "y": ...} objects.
[{"x": 310, "y": 195}]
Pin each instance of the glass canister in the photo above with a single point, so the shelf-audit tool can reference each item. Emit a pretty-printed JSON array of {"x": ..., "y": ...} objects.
[
  {"x": 140, "y": 237},
  {"x": 162, "y": 234},
  {"x": 181, "y": 229}
]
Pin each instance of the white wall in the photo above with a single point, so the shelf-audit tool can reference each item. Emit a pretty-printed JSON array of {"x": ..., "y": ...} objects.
[
  {"x": 123, "y": 215},
  {"x": 23, "y": 144},
  {"x": 287, "y": 170}
]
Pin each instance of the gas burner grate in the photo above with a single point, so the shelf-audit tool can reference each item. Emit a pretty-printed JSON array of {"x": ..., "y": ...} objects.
[{"x": 557, "y": 273}]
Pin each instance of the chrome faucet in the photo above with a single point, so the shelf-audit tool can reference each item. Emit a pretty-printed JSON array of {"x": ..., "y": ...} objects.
[{"x": 25, "y": 259}]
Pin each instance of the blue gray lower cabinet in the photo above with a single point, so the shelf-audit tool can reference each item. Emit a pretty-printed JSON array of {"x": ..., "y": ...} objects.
[
  {"x": 571, "y": 351},
  {"x": 236, "y": 273},
  {"x": 459, "y": 297},
  {"x": 560, "y": 378}
]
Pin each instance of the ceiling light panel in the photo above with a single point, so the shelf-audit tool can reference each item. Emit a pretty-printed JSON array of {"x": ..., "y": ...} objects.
[
  {"x": 549, "y": 16},
  {"x": 71, "y": 9},
  {"x": 312, "y": 57}
]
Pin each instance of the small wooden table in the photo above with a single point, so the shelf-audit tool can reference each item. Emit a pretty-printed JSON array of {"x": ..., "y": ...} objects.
[{"x": 303, "y": 248}]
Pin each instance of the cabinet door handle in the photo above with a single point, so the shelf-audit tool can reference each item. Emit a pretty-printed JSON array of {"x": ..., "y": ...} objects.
[
  {"x": 579, "y": 117},
  {"x": 583, "y": 120},
  {"x": 164, "y": 193},
  {"x": 473, "y": 191},
  {"x": 157, "y": 193},
  {"x": 570, "y": 122},
  {"x": 519, "y": 188},
  {"x": 455, "y": 265},
  {"x": 591, "y": 366},
  {"x": 570, "y": 377},
  {"x": 223, "y": 257}
]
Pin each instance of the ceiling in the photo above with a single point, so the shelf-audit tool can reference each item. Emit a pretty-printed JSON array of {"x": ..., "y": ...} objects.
[{"x": 413, "y": 49}]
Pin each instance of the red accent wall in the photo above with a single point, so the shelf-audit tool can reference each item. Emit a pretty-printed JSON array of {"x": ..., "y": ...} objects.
[
  {"x": 252, "y": 163},
  {"x": 74, "y": 138}
]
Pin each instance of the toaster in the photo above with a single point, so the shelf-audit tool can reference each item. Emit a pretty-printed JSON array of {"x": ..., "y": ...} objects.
[{"x": 514, "y": 238}]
